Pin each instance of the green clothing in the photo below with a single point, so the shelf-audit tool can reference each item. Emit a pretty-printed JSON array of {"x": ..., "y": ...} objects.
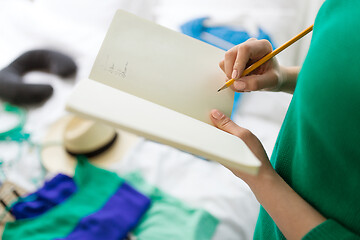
[
  {"x": 168, "y": 218},
  {"x": 95, "y": 187},
  {"x": 316, "y": 152}
]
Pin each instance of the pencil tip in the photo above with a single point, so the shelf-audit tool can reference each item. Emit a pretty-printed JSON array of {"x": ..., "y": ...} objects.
[{"x": 219, "y": 90}]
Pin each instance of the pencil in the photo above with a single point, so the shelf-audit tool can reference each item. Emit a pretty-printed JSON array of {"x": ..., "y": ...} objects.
[{"x": 269, "y": 56}]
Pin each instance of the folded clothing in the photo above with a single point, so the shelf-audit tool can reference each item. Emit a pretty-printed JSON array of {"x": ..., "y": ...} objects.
[
  {"x": 54, "y": 192},
  {"x": 168, "y": 217},
  {"x": 94, "y": 211},
  {"x": 115, "y": 219},
  {"x": 89, "y": 212}
]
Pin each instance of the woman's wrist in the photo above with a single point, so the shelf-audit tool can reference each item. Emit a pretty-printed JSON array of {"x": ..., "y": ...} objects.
[
  {"x": 265, "y": 179},
  {"x": 287, "y": 79}
]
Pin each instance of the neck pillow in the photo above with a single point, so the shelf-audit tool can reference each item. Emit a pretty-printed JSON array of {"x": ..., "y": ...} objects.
[{"x": 14, "y": 90}]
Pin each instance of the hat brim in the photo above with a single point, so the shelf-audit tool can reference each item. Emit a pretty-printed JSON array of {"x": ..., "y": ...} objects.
[{"x": 56, "y": 159}]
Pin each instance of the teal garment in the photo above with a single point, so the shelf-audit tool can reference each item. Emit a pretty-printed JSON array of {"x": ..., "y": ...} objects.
[
  {"x": 95, "y": 187},
  {"x": 169, "y": 218},
  {"x": 317, "y": 150},
  {"x": 16, "y": 133}
]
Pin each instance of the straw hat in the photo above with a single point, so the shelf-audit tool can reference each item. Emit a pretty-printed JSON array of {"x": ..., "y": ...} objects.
[{"x": 71, "y": 135}]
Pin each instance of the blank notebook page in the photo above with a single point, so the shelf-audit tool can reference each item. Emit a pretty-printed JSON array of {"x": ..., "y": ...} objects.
[{"x": 161, "y": 84}]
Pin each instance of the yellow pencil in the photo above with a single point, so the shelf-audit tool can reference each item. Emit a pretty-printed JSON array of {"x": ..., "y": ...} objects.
[{"x": 268, "y": 56}]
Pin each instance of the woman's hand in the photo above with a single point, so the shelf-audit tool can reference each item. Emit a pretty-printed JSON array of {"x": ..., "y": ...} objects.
[
  {"x": 266, "y": 170},
  {"x": 269, "y": 76}
]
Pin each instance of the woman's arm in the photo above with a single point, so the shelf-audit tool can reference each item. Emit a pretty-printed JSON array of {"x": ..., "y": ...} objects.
[{"x": 292, "y": 214}]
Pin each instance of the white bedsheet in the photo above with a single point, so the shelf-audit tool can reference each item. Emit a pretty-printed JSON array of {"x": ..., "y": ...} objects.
[{"x": 78, "y": 27}]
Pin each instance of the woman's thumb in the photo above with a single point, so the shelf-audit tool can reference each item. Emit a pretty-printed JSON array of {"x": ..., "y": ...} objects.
[{"x": 224, "y": 123}]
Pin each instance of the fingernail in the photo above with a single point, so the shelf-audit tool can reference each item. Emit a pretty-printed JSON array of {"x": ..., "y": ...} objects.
[
  {"x": 234, "y": 74},
  {"x": 240, "y": 85},
  {"x": 217, "y": 115}
]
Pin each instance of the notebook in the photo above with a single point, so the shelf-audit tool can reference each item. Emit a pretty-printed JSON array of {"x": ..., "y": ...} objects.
[{"x": 161, "y": 84}]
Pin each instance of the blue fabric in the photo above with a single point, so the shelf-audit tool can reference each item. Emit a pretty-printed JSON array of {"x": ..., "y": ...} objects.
[
  {"x": 115, "y": 219},
  {"x": 195, "y": 28},
  {"x": 54, "y": 192}
]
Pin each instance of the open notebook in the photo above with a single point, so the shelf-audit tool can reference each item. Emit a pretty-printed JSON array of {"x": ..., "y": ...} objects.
[{"x": 161, "y": 84}]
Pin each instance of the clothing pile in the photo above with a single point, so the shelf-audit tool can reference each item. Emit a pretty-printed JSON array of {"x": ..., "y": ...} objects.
[{"x": 98, "y": 204}]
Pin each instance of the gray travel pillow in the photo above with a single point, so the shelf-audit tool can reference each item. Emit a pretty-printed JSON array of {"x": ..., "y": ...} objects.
[{"x": 14, "y": 90}]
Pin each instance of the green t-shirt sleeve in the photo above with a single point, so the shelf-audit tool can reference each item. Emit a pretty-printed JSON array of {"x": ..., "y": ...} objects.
[
  {"x": 330, "y": 230},
  {"x": 317, "y": 151}
]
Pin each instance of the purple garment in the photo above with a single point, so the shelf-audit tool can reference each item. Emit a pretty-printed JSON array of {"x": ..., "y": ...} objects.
[
  {"x": 54, "y": 192},
  {"x": 115, "y": 219}
]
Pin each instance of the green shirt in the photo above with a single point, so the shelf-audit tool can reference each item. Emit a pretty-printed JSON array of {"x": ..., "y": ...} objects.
[
  {"x": 94, "y": 187},
  {"x": 316, "y": 152},
  {"x": 168, "y": 218}
]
